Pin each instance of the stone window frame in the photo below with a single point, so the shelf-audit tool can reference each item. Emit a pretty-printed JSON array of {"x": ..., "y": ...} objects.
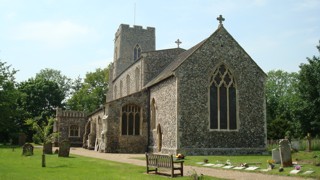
[
  {"x": 74, "y": 130},
  {"x": 135, "y": 109},
  {"x": 211, "y": 79},
  {"x": 153, "y": 112},
  {"x": 136, "y": 52}
]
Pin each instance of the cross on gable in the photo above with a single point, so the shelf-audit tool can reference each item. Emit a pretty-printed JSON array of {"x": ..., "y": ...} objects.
[
  {"x": 220, "y": 19},
  {"x": 178, "y": 42}
]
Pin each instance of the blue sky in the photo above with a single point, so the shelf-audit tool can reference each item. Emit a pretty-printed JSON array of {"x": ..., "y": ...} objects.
[{"x": 76, "y": 36}]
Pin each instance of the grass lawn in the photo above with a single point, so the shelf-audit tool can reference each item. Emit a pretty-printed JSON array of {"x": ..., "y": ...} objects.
[
  {"x": 305, "y": 159},
  {"x": 15, "y": 166}
]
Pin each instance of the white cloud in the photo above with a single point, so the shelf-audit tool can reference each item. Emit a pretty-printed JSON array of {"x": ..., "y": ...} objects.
[{"x": 52, "y": 33}]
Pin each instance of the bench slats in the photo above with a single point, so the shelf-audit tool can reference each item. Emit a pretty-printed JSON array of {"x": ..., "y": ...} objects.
[{"x": 163, "y": 161}]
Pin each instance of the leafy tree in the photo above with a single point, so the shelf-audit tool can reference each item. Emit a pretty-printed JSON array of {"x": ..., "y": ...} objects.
[
  {"x": 310, "y": 94},
  {"x": 64, "y": 83},
  {"x": 44, "y": 132},
  {"x": 40, "y": 98},
  {"x": 283, "y": 103},
  {"x": 92, "y": 92},
  {"x": 8, "y": 100}
]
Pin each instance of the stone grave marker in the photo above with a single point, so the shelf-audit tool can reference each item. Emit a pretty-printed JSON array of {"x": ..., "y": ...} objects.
[
  {"x": 308, "y": 143},
  {"x": 295, "y": 145},
  {"x": 64, "y": 148},
  {"x": 276, "y": 156},
  {"x": 27, "y": 149},
  {"x": 285, "y": 153},
  {"x": 47, "y": 148}
]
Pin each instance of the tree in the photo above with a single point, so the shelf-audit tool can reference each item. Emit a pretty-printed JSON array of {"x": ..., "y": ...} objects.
[
  {"x": 92, "y": 92},
  {"x": 44, "y": 132},
  {"x": 40, "y": 98},
  {"x": 8, "y": 100},
  {"x": 64, "y": 83},
  {"x": 310, "y": 94},
  {"x": 283, "y": 101}
]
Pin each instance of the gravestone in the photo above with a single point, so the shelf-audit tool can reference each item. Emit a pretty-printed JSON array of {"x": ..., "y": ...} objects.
[
  {"x": 295, "y": 145},
  {"x": 285, "y": 153},
  {"x": 308, "y": 143},
  {"x": 276, "y": 156},
  {"x": 27, "y": 149},
  {"x": 64, "y": 148},
  {"x": 47, "y": 148}
]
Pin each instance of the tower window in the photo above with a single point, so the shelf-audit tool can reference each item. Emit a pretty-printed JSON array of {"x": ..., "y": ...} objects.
[{"x": 136, "y": 52}]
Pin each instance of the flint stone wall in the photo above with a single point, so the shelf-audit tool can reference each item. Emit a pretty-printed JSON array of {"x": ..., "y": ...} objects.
[
  {"x": 193, "y": 100},
  {"x": 165, "y": 96},
  {"x": 126, "y": 143},
  {"x": 64, "y": 120}
]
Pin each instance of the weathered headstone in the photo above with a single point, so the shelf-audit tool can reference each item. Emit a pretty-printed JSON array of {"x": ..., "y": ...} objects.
[
  {"x": 64, "y": 148},
  {"x": 27, "y": 149},
  {"x": 285, "y": 153},
  {"x": 47, "y": 148},
  {"x": 276, "y": 156},
  {"x": 295, "y": 145}
]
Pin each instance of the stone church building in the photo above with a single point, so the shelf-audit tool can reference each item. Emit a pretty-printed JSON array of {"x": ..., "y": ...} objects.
[{"x": 209, "y": 99}]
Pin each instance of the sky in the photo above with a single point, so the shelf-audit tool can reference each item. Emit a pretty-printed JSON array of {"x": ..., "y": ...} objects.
[{"x": 76, "y": 36}]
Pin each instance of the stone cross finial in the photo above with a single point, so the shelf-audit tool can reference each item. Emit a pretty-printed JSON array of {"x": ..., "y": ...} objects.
[
  {"x": 220, "y": 19},
  {"x": 178, "y": 42}
]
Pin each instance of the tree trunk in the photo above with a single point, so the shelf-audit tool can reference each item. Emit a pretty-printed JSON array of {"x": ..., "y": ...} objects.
[{"x": 43, "y": 159}]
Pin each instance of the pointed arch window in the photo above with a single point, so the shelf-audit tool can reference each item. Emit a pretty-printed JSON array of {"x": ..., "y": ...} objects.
[
  {"x": 136, "y": 52},
  {"x": 130, "y": 120},
  {"x": 153, "y": 114},
  {"x": 223, "y": 100}
]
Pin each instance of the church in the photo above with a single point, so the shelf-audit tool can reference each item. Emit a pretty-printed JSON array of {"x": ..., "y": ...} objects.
[{"x": 209, "y": 99}]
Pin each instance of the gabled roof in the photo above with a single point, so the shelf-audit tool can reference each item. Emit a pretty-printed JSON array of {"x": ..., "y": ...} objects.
[{"x": 169, "y": 70}]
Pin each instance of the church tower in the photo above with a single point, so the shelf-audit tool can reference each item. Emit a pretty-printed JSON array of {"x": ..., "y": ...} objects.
[{"x": 129, "y": 43}]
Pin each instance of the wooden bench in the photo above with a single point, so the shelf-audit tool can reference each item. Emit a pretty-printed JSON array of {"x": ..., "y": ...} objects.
[{"x": 156, "y": 161}]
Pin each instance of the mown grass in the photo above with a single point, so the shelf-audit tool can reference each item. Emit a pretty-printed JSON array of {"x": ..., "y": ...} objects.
[
  {"x": 305, "y": 159},
  {"x": 15, "y": 166}
]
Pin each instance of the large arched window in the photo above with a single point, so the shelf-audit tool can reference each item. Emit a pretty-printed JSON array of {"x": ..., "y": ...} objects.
[
  {"x": 136, "y": 52},
  {"x": 130, "y": 120},
  {"x": 137, "y": 78},
  {"x": 153, "y": 114},
  {"x": 223, "y": 100},
  {"x": 74, "y": 131}
]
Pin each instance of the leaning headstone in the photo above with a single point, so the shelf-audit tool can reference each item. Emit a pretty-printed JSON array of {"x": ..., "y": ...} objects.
[
  {"x": 285, "y": 153},
  {"x": 64, "y": 148},
  {"x": 27, "y": 149},
  {"x": 47, "y": 148},
  {"x": 276, "y": 156}
]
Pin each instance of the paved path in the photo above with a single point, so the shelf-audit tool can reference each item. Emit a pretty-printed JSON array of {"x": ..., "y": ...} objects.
[{"x": 214, "y": 172}]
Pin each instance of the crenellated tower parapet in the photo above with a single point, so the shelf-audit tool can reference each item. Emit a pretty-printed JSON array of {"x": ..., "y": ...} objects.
[{"x": 129, "y": 43}]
